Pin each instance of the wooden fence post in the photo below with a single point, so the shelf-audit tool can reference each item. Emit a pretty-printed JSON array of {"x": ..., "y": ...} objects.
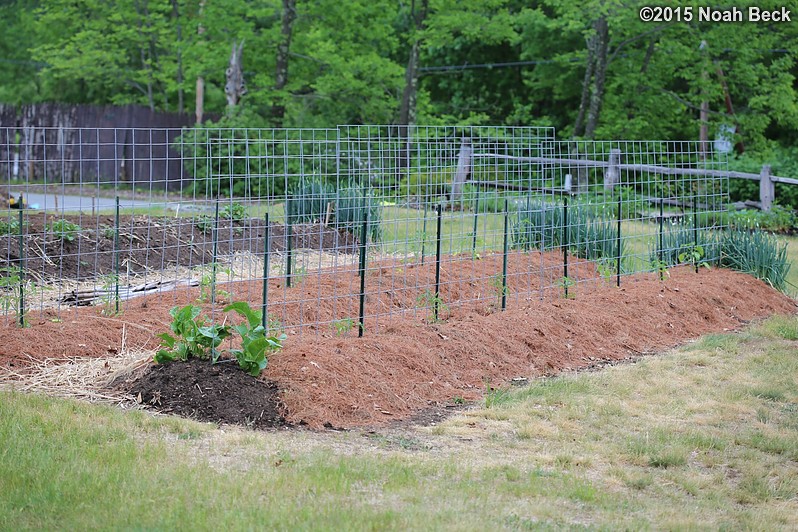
[
  {"x": 463, "y": 169},
  {"x": 613, "y": 174},
  {"x": 767, "y": 188}
]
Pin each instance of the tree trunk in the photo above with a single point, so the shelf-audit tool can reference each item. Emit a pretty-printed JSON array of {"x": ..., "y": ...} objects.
[
  {"x": 579, "y": 126},
  {"x": 235, "y": 88},
  {"x": 200, "y": 96},
  {"x": 281, "y": 70},
  {"x": 179, "y": 76},
  {"x": 599, "y": 77},
  {"x": 198, "y": 111},
  {"x": 407, "y": 109},
  {"x": 145, "y": 64}
]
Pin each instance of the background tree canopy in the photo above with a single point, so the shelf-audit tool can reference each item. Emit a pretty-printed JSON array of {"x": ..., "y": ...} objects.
[{"x": 592, "y": 69}]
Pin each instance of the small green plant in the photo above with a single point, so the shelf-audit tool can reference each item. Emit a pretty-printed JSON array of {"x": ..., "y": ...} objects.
[
  {"x": 458, "y": 400},
  {"x": 10, "y": 280},
  {"x": 499, "y": 288},
  {"x": 661, "y": 268},
  {"x": 606, "y": 269},
  {"x": 194, "y": 337},
  {"x": 692, "y": 254},
  {"x": 255, "y": 344},
  {"x": 428, "y": 299},
  {"x": 235, "y": 211},
  {"x": 11, "y": 227},
  {"x": 341, "y": 327},
  {"x": 566, "y": 283},
  {"x": 64, "y": 229},
  {"x": 204, "y": 223},
  {"x": 109, "y": 297},
  {"x": 108, "y": 231},
  {"x": 208, "y": 283},
  {"x": 299, "y": 273}
]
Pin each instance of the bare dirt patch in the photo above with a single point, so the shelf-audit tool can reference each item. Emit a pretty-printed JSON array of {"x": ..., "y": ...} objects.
[
  {"x": 149, "y": 244},
  {"x": 411, "y": 365}
]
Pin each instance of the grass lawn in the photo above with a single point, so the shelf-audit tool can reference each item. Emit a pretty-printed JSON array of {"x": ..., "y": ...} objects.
[{"x": 702, "y": 437}]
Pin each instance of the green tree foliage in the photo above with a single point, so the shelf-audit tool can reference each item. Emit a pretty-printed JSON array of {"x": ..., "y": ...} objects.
[{"x": 592, "y": 69}]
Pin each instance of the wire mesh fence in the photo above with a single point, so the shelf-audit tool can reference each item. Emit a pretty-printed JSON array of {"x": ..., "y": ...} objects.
[{"x": 351, "y": 227}]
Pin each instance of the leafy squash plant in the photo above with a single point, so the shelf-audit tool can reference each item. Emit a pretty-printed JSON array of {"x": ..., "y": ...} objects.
[
  {"x": 255, "y": 344},
  {"x": 194, "y": 337}
]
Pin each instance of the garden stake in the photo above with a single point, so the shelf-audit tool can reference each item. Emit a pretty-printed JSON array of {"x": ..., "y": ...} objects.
[
  {"x": 565, "y": 244},
  {"x": 695, "y": 227},
  {"x": 116, "y": 257},
  {"x": 363, "y": 243},
  {"x": 424, "y": 233},
  {"x": 436, "y": 303},
  {"x": 21, "y": 270},
  {"x": 504, "y": 257},
  {"x": 289, "y": 243},
  {"x": 215, "y": 251},
  {"x": 265, "y": 272},
  {"x": 618, "y": 266},
  {"x": 476, "y": 216},
  {"x": 661, "y": 244}
]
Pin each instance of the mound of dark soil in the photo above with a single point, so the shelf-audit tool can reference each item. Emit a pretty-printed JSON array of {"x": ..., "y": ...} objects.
[{"x": 220, "y": 393}]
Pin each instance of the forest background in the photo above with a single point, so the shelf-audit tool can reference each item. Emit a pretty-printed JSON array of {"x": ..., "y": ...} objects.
[{"x": 591, "y": 69}]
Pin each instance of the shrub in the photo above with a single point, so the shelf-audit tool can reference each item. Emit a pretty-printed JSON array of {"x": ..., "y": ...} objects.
[{"x": 778, "y": 218}]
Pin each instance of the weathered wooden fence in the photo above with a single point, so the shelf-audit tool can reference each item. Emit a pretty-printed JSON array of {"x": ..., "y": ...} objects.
[
  {"x": 88, "y": 143},
  {"x": 613, "y": 168}
]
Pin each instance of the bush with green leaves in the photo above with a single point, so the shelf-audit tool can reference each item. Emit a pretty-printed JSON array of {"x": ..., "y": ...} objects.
[
  {"x": 757, "y": 253},
  {"x": 778, "y": 218},
  {"x": 194, "y": 337},
  {"x": 64, "y": 229},
  {"x": 234, "y": 211}
]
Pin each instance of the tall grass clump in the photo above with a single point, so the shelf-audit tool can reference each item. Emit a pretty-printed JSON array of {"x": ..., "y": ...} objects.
[
  {"x": 679, "y": 246},
  {"x": 756, "y": 253},
  {"x": 309, "y": 205},
  {"x": 590, "y": 236}
]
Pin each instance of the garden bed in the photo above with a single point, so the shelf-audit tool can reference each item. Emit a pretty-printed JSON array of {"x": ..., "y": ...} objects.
[
  {"x": 412, "y": 365},
  {"x": 148, "y": 244}
]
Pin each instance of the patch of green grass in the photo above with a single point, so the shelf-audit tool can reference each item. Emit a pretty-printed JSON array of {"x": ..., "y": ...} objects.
[
  {"x": 785, "y": 327},
  {"x": 698, "y": 438}
]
